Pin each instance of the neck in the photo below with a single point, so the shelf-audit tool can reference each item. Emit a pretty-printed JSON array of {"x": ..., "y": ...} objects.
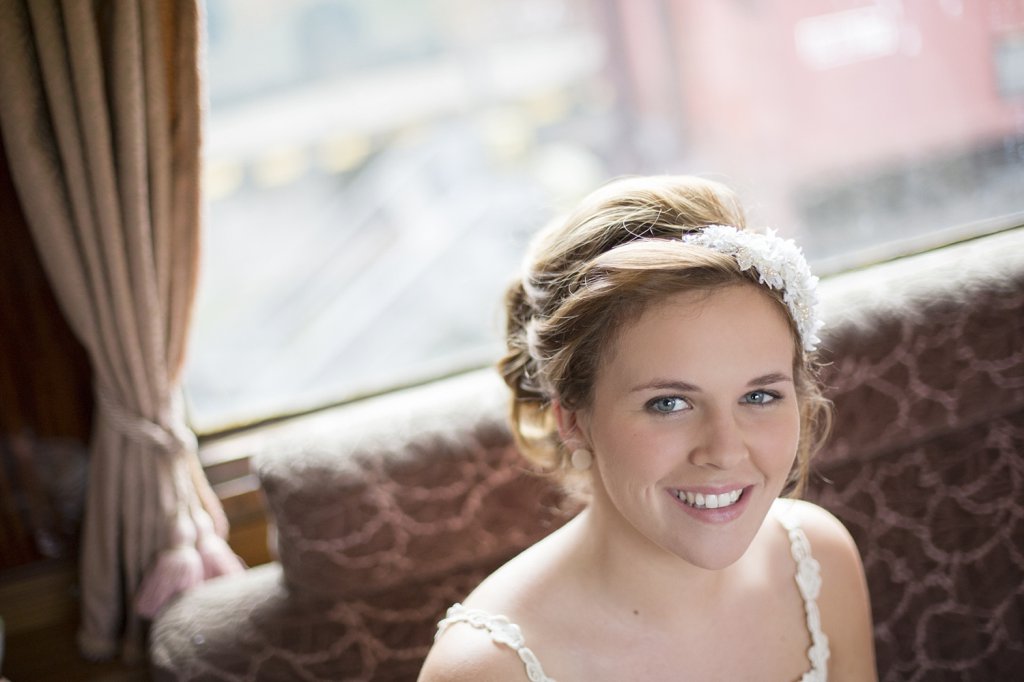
[{"x": 634, "y": 576}]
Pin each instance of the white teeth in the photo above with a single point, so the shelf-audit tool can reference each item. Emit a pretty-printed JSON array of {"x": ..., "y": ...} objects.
[{"x": 702, "y": 501}]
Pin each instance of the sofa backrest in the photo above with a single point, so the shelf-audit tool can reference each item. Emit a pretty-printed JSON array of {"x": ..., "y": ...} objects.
[
  {"x": 924, "y": 345},
  {"x": 925, "y": 364}
]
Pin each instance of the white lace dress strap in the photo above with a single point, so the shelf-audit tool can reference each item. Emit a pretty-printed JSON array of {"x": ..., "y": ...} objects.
[
  {"x": 501, "y": 630},
  {"x": 808, "y": 580}
]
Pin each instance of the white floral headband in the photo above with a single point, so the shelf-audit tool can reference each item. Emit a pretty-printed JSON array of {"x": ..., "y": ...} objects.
[{"x": 780, "y": 265}]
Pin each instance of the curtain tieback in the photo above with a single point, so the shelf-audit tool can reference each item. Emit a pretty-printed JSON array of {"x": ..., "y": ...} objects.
[
  {"x": 168, "y": 439},
  {"x": 194, "y": 552}
]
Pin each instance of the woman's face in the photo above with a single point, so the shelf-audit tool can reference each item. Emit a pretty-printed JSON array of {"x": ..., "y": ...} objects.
[{"x": 694, "y": 424}]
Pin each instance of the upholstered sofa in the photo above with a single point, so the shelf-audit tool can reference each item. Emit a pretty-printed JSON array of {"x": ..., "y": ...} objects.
[{"x": 389, "y": 510}]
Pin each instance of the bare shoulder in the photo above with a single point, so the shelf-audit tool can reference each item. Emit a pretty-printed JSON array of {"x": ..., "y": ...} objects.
[
  {"x": 526, "y": 591},
  {"x": 465, "y": 653},
  {"x": 834, "y": 549},
  {"x": 844, "y": 601},
  {"x": 828, "y": 536}
]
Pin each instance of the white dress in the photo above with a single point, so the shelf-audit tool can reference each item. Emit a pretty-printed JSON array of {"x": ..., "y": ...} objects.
[{"x": 808, "y": 580}]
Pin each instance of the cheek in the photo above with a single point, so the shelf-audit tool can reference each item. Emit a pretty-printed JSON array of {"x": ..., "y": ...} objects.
[
  {"x": 632, "y": 452},
  {"x": 781, "y": 438}
]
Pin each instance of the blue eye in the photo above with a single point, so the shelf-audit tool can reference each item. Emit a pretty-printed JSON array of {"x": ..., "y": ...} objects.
[
  {"x": 667, "y": 405},
  {"x": 760, "y": 397}
]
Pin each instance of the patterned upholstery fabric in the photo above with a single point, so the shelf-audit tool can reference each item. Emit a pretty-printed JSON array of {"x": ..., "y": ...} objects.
[
  {"x": 389, "y": 511},
  {"x": 926, "y": 465}
]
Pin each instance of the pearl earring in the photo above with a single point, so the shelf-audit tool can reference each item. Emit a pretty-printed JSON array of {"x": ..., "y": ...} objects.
[{"x": 581, "y": 459}]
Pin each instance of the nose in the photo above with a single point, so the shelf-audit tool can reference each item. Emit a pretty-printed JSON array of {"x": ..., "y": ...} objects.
[{"x": 720, "y": 442}]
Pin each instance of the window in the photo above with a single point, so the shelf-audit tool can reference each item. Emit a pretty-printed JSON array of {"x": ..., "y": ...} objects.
[{"x": 375, "y": 169}]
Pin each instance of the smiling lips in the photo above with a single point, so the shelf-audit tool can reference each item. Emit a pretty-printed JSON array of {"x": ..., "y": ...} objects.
[{"x": 709, "y": 500}]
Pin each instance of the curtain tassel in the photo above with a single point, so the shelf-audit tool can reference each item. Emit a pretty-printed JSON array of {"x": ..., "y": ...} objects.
[
  {"x": 218, "y": 558},
  {"x": 176, "y": 569}
]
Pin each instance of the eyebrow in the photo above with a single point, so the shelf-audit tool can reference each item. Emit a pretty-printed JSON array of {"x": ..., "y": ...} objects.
[
  {"x": 668, "y": 384},
  {"x": 770, "y": 378}
]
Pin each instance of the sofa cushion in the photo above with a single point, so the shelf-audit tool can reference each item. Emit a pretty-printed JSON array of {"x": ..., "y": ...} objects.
[{"x": 405, "y": 487}]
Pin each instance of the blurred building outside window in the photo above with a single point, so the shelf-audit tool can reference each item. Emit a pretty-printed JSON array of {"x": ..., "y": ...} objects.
[{"x": 374, "y": 170}]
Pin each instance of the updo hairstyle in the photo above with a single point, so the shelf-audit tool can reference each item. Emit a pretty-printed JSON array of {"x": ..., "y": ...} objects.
[{"x": 583, "y": 278}]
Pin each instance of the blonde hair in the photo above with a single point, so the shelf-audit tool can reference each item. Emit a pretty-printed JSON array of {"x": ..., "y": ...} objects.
[{"x": 616, "y": 254}]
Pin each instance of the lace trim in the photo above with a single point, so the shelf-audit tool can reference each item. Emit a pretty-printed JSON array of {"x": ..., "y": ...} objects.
[
  {"x": 808, "y": 580},
  {"x": 501, "y": 630}
]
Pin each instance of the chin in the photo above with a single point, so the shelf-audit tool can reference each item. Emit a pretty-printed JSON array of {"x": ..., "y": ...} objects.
[
  {"x": 717, "y": 547},
  {"x": 714, "y": 559}
]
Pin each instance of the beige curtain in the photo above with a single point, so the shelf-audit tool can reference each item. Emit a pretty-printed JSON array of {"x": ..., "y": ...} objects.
[{"x": 100, "y": 116}]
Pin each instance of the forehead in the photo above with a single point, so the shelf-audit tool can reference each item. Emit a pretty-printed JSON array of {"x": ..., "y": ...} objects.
[{"x": 704, "y": 334}]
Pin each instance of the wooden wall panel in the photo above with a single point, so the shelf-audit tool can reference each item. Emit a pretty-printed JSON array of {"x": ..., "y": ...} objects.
[{"x": 46, "y": 401}]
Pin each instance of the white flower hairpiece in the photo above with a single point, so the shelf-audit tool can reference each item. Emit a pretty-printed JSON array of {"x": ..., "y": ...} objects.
[{"x": 780, "y": 265}]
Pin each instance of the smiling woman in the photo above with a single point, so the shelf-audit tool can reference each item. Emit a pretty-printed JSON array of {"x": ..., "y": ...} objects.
[
  {"x": 683, "y": 419},
  {"x": 662, "y": 362}
]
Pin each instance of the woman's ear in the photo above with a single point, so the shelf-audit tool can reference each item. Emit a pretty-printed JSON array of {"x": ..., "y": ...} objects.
[
  {"x": 569, "y": 428},
  {"x": 572, "y": 430}
]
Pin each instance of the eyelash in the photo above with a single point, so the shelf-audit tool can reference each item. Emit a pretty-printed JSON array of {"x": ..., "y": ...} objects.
[
  {"x": 653, "y": 402},
  {"x": 772, "y": 396}
]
